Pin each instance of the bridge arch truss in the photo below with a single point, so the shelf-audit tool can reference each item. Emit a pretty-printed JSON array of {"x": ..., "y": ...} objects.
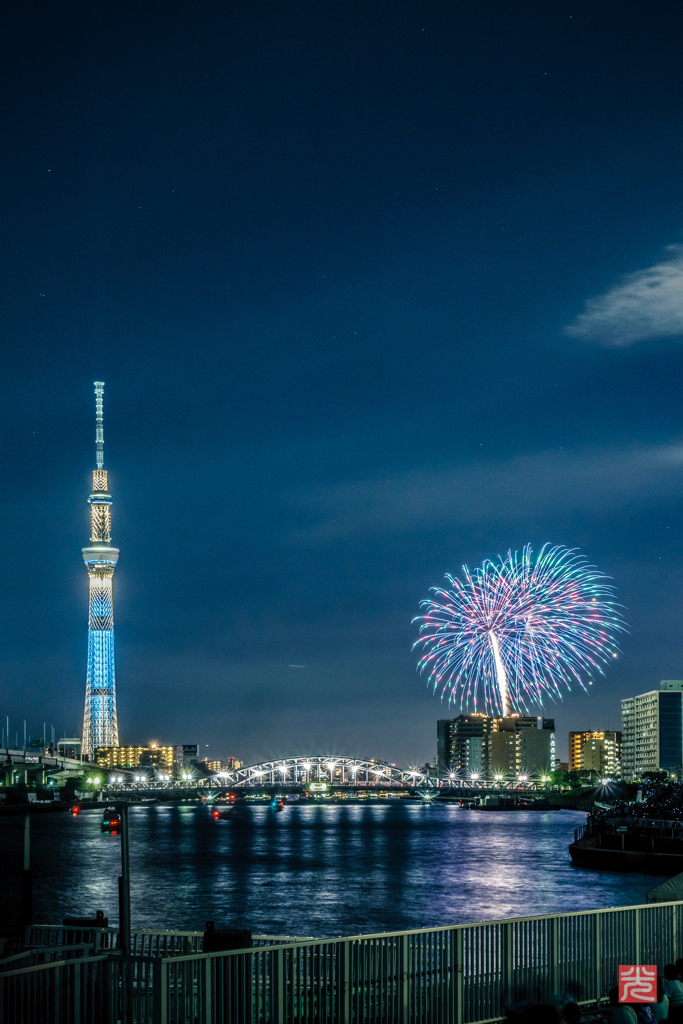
[{"x": 334, "y": 771}]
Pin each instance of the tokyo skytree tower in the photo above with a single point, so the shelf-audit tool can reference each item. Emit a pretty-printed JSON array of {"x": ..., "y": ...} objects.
[{"x": 100, "y": 728}]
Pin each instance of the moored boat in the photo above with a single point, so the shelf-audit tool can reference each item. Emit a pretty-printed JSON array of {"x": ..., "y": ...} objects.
[{"x": 629, "y": 844}]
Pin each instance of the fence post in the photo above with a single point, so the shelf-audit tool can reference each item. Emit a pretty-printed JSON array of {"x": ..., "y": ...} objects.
[
  {"x": 459, "y": 973},
  {"x": 343, "y": 955},
  {"x": 124, "y": 885},
  {"x": 598, "y": 955},
  {"x": 77, "y": 992},
  {"x": 206, "y": 1014},
  {"x": 277, "y": 988},
  {"x": 674, "y": 926},
  {"x": 554, "y": 956},
  {"x": 637, "y": 936},
  {"x": 160, "y": 992},
  {"x": 507, "y": 965},
  {"x": 402, "y": 981},
  {"x": 56, "y": 1008}
]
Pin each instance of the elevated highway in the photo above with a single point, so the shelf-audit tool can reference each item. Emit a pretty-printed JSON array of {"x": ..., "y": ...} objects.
[{"x": 24, "y": 766}]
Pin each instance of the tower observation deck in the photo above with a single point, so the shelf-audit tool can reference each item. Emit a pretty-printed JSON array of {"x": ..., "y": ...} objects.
[{"x": 100, "y": 728}]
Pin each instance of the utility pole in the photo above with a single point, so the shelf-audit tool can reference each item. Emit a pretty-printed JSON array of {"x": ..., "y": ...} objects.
[{"x": 124, "y": 885}]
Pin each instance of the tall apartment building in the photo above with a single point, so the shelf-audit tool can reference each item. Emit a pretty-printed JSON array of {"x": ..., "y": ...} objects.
[
  {"x": 463, "y": 745},
  {"x": 522, "y": 745},
  {"x": 652, "y": 730},
  {"x": 595, "y": 751},
  {"x": 136, "y": 757}
]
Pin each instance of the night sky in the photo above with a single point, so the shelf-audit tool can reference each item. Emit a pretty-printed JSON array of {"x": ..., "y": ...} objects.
[{"x": 377, "y": 289}]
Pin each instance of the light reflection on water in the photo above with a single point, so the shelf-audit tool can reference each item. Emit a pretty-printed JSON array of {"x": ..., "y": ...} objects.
[{"x": 313, "y": 869}]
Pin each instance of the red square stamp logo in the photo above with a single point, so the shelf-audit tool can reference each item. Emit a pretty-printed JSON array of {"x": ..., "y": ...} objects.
[{"x": 638, "y": 983}]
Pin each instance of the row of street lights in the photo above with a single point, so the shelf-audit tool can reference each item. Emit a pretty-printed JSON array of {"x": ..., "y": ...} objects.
[
  {"x": 122, "y": 780},
  {"x": 474, "y": 778},
  {"x": 498, "y": 779}
]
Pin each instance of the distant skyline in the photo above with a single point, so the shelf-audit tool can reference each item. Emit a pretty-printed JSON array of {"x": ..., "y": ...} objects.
[{"x": 376, "y": 291}]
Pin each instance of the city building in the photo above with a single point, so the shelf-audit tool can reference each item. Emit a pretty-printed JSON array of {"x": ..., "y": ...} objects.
[
  {"x": 100, "y": 727},
  {"x": 595, "y": 751},
  {"x": 214, "y": 766},
  {"x": 463, "y": 745},
  {"x": 522, "y": 746},
  {"x": 137, "y": 757},
  {"x": 652, "y": 731},
  {"x": 187, "y": 755}
]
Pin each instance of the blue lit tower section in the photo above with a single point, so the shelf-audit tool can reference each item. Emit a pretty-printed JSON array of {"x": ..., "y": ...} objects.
[{"x": 100, "y": 728}]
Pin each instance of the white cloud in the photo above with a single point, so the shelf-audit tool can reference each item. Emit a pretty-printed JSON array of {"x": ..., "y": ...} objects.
[
  {"x": 514, "y": 490},
  {"x": 647, "y": 304}
]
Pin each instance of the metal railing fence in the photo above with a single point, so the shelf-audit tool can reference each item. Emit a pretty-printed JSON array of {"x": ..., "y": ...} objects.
[
  {"x": 465, "y": 974},
  {"x": 150, "y": 942},
  {"x": 44, "y": 955}
]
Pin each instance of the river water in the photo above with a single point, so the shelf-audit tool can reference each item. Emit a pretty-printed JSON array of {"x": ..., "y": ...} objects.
[{"x": 320, "y": 870}]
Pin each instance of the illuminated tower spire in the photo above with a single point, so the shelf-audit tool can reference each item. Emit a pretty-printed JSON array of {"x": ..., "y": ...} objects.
[{"x": 100, "y": 727}]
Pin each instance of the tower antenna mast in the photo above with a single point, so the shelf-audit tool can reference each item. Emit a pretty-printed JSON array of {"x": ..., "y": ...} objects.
[{"x": 99, "y": 424}]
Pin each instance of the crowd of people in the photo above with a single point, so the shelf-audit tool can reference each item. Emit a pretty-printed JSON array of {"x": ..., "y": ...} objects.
[
  {"x": 565, "y": 1010},
  {"x": 663, "y": 800},
  {"x": 669, "y": 1004}
]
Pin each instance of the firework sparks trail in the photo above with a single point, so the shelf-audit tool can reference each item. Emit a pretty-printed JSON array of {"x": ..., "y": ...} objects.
[{"x": 520, "y": 630}]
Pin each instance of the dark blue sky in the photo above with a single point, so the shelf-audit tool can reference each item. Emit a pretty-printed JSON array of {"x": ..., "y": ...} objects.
[{"x": 376, "y": 289}]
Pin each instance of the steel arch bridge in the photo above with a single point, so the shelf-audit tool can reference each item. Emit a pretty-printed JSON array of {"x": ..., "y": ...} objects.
[{"x": 334, "y": 771}]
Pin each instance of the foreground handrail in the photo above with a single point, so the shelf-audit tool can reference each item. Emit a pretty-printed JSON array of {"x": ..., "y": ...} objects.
[{"x": 457, "y": 974}]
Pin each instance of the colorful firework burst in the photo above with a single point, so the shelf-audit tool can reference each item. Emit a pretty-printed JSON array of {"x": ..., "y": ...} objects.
[{"x": 521, "y": 630}]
